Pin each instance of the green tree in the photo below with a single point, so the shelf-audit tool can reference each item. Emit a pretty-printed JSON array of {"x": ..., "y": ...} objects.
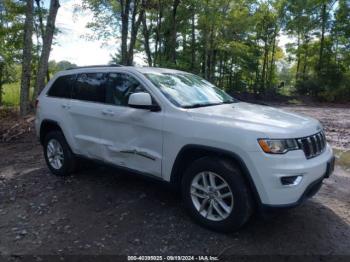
[{"x": 11, "y": 40}]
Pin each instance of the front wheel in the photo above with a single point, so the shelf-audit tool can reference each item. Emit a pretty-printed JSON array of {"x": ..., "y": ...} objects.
[{"x": 216, "y": 195}]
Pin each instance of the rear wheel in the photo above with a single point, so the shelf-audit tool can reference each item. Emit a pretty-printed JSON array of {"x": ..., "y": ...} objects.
[
  {"x": 58, "y": 156},
  {"x": 216, "y": 195}
]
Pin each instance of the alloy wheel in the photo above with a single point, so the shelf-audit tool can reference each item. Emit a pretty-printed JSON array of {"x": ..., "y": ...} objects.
[
  {"x": 55, "y": 154},
  {"x": 211, "y": 196}
]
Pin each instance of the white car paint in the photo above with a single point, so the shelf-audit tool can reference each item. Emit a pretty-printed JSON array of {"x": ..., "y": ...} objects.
[{"x": 150, "y": 141}]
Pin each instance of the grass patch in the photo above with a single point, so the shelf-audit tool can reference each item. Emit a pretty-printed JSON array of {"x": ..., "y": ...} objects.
[
  {"x": 286, "y": 91},
  {"x": 294, "y": 102},
  {"x": 11, "y": 94},
  {"x": 342, "y": 158}
]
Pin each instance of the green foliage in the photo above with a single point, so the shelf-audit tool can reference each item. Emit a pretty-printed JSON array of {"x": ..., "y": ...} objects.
[
  {"x": 55, "y": 67},
  {"x": 323, "y": 64},
  {"x": 235, "y": 44},
  {"x": 11, "y": 37},
  {"x": 11, "y": 94}
]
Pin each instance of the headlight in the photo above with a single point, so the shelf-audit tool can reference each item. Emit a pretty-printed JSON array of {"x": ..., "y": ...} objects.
[{"x": 278, "y": 146}]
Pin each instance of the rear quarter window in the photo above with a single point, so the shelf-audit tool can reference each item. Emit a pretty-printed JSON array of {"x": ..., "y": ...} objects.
[{"x": 62, "y": 87}]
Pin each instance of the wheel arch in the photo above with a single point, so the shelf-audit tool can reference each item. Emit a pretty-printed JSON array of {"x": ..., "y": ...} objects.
[
  {"x": 47, "y": 126},
  {"x": 189, "y": 153}
]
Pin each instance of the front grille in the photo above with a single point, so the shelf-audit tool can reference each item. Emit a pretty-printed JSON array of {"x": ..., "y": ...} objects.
[{"x": 313, "y": 145}]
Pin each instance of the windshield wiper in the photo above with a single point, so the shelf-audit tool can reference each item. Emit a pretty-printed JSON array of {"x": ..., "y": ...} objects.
[
  {"x": 230, "y": 101},
  {"x": 211, "y": 104},
  {"x": 202, "y": 105}
]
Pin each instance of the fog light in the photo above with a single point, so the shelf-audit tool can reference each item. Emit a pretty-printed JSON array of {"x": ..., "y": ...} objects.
[{"x": 291, "y": 180}]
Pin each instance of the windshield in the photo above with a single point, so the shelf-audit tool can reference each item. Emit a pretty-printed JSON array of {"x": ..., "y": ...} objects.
[{"x": 187, "y": 90}]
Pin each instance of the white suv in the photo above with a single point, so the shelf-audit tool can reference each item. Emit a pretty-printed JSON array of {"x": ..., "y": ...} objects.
[{"x": 228, "y": 157}]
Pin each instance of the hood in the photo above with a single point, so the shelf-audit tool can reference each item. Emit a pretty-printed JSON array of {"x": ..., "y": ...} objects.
[{"x": 273, "y": 122}]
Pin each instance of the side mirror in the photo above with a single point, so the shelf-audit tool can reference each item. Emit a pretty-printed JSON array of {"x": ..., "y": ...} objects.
[{"x": 142, "y": 100}]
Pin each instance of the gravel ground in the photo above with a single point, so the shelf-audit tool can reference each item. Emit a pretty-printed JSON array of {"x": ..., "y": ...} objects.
[
  {"x": 106, "y": 211},
  {"x": 336, "y": 121}
]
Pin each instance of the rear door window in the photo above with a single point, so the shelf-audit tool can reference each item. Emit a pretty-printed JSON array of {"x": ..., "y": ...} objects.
[
  {"x": 62, "y": 87},
  {"x": 90, "y": 87}
]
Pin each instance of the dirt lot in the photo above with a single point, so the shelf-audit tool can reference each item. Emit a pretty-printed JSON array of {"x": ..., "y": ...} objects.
[
  {"x": 105, "y": 211},
  {"x": 336, "y": 121}
]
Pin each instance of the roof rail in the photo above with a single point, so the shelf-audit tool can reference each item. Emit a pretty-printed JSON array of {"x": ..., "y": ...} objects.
[{"x": 93, "y": 66}]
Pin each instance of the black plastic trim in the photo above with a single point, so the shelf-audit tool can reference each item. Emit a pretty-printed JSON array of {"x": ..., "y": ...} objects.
[
  {"x": 153, "y": 108},
  {"x": 47, "y": 121}
]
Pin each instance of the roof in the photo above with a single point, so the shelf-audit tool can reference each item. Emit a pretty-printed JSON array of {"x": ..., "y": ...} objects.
[
  {"x": 94, "y": 66},
  {"x": 156, "y": 70},
  {"x": 142, "y": 70}
]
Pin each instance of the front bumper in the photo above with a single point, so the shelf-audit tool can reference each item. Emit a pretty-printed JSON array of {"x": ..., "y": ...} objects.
[
  {"x": 310, "y": 191},
  {"x": 269, "y": 169}
]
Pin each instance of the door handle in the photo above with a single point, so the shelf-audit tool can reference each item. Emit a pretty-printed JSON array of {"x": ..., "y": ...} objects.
[
  {"x": 65, "y": 106},
  {"x": 107, "y": 112}
]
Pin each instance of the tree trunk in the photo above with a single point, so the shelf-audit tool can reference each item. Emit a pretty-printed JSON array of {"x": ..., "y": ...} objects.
[
  {"x": 172, "y": 40},
  {"x": 40, "y": 15},
  {"x": 2, "y": 62},
  {"x": 211, "y": 58},
  {"x": 1, "y": 72},
  {"x": 193, "y": 40},
  {"x": 323, "y": 29},
  {"x": 256, "y": 84},
  {"x": 263, "y": 74},
  {"x": 220, "y": 70},
  {"x": 298, "y": 59},
  {"x": 135, "y": 24},
  {"x": 27, "y": 58},
  {"x": 125, "y": 6},
  {"x": 184, "y": 42},
  {"x": 47, "y": 43},
  {"x": 305, "y": 59},
  {"x": 272, "y": 63},
  {"x": 42, "y": 31},
  {"x": 146, "y": 40},
  {"x": 204, "y": 59},
  {"x": 231, "y": 74},
  {"x": 157, "y": 47},
  {"x": 336, "y": 47},
  {"x": 38, "y": 47}
]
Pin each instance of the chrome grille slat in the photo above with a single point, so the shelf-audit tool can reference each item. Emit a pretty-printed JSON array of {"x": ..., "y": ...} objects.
[
  {"x": 318, "y": 148},
  {"x": 311, "y": 148},
  {"x": 319, "y": 143},
  {"x": 323, "y": 140},
  {"x": 312, "y": 145},
  {"x": 300, "y": 143}
]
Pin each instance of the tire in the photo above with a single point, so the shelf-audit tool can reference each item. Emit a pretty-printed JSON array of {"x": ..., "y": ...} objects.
[
  {"x": 237, "y": 195},
  {"x": 63, "y": 153}
]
